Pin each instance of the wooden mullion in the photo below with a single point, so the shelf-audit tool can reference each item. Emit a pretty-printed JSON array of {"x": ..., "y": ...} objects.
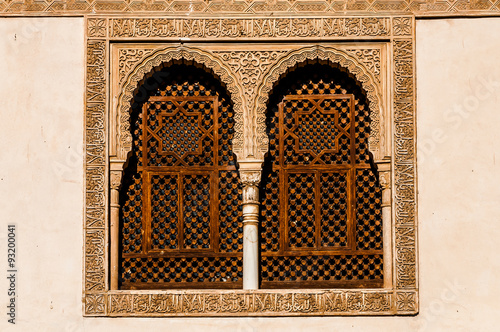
[
  {"x": 189, "y": 253},
  {"x": 180, "y": 224},
  {"x": 281, "y": 185},
  {"x": 214, "y": 211},
  {"x": 183, "y": 285},
  {"x": 326, "y": 251},
  {"x": 322, "y": 97},
  {"x": 146, "y": 211},
  {"x": 298, "y": 284},
  {"x": 144, "y": 135},
  {"x": 181, "y": 98},
  {"x": 214, "y": 186},
  {"x": 317, "y": 203},
  {"x": 161, "y": 169},
  {"x": 351, "y": 182}
]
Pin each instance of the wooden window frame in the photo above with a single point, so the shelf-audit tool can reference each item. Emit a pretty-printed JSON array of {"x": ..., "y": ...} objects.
[{"x": 333, "y": 39}]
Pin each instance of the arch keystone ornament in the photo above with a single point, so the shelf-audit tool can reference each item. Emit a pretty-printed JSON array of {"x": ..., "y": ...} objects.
[{"x": 266, "y": 54}]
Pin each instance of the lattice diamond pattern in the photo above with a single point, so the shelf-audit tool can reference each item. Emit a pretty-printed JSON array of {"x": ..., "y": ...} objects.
[
  {"x": 321, "y": 268},
  {"x": 316, "y": 132},
  {"x": 131, "y": 214},
  {"x": 180, "y": 134},
  {"x": 230, "y": 215},
  {"x": 368, "y": 210},
  {"x": 182, "y": 269}
]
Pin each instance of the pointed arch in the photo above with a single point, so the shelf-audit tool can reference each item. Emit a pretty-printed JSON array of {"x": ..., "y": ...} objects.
[
  {"x": 170, "y": 54},
  {"x": 377, "y": 142}
]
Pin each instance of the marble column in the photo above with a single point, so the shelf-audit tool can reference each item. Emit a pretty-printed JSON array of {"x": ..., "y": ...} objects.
[
  {"x": 115, "y": 181},
  {"x": 250, "y": 174},
  {"x": 384, "y": 171}
]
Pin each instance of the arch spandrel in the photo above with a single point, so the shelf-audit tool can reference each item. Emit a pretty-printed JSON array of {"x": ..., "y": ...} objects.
[
  {"x": 146, "y": 66},
  {"x": 377, "y": 142}
]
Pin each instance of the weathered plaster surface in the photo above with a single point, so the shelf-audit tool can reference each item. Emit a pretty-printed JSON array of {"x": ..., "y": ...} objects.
[{"x": 41, "y": 183}]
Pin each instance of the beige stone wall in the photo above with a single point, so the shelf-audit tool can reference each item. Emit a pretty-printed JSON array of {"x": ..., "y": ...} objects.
[{"x": 41, "y": 183}]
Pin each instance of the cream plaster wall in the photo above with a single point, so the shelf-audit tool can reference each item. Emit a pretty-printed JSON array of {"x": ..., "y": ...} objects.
[{"x": 41, "y": 183}]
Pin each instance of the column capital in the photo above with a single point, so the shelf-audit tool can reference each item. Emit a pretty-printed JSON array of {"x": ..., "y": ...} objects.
[
  {"x": 115, "y": 179},
  {"x": 250, "y": 172}
]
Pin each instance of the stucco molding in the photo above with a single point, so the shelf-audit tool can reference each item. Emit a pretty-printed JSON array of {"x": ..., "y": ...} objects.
[{"x": 251, "y": 7}]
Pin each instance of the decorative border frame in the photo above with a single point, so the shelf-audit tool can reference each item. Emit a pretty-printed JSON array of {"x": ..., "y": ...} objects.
[
  {"x": 421, "y": 8},
  {"x": 401, "y": 299}
]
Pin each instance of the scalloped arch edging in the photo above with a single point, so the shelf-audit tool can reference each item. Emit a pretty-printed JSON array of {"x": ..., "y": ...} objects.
[
  {"x": 146, "y": 65},
  {"x": 295, "y": 57}
]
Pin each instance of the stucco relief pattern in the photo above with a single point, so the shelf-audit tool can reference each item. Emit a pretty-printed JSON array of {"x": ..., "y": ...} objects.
[
  {"x": 252, "y": 7},
  {"x": 251, "y": 28},
  {"x": 95, "y": 183},
  {"x": 370, "y": 58},
  {"x": 236, "y": 303},
  {"x": 249, "y": 68},
  {"x": 404, "y": 164},
  {"x": 403, "y": 299},
  {"x": 128, "y": 58}
]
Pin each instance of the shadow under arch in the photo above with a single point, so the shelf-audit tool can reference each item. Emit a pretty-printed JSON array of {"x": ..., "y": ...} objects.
[
  {"x": 335, "y": 57},
  {"x": 184, "y": 80}
]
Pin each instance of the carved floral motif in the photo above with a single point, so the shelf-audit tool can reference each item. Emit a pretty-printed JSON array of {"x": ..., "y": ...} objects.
[
  {"x": 127, "y": 58},
  {"x": 96, "y": 27},
  {"x": 370, "y": 58},
  {"x": 95, "y": 304},
  {"x": 249, "y": 66},
  {"x": 406, "y": 301}
]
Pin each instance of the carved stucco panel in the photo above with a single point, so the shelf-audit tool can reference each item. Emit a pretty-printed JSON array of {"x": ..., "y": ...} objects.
[
  {"x": 250, "y": 66},
  {"x": 251, "y": 7},
  {"x": 237, "y": 302}
]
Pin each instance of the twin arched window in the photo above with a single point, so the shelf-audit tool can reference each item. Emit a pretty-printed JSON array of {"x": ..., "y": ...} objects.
[{"x": 181, "y": 204}]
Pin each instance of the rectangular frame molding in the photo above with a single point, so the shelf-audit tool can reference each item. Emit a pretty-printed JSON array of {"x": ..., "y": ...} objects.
[{"x": 102, "y": 75}]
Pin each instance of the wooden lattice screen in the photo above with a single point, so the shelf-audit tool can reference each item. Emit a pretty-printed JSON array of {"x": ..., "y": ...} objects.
[
  {"x": 321, "y": 220},
  {"x": 181, "y": 216}
]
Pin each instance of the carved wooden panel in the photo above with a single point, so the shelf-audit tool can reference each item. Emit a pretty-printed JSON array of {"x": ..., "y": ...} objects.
[
  {"x": 321, "y": 218},
  {"x": 181, "y": 221}
]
